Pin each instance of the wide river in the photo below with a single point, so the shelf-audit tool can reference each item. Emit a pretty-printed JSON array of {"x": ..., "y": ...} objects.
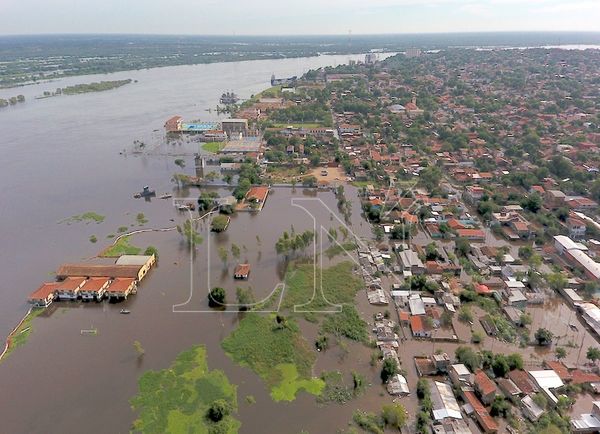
[{"x": 62, "y": 158}]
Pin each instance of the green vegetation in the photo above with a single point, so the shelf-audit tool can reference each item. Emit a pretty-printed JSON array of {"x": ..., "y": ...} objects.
[
  {"x": 274, "y": 349},
  {"x": 93, "y": 239},
  {"x": 216, "y": 298},
  {"x": 369, "y": 422},
  {"x": 388, "y": 370},
  {"x": 141, "y": 218},
  {"x": 219, "y": 223},
  {"x": 347, "y": 323},
  {"x": 291, "y": 384},
  {"x": 121, "y": 247},
  {"x": 336, "y": 249},
  {"x": 293, "y": 243},
  {"x": 394, "y": 415},
  {"x": 213, "y": 147},
  {"x": 87, "y": 217},
  {"x": 338, "y": 390},
  {"x": 151, "y": 250},
  {"x": 21, "y": 334},
  {"x": 305, "y": 125},
  {"x": 94, "y": 87},
  {"x": 186, "y": 398},
  {"x": 339, "y": 286},
  {"x": 188, "y": 231}
]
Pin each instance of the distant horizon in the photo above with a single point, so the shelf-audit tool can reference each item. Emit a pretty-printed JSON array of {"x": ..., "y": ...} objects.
[
  {"x": 308, "y": 35},
  {"x": 309, "y": 17}
]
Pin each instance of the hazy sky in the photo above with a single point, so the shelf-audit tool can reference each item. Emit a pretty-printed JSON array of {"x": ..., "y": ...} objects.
[{"x": 294, "y": 16}]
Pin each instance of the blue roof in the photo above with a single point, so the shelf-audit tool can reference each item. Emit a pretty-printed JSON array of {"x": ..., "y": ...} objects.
[{"x": 202, "y": 126}]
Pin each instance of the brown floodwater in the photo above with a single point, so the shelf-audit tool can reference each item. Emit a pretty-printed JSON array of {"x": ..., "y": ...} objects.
[{"x": 62, "y": 159}]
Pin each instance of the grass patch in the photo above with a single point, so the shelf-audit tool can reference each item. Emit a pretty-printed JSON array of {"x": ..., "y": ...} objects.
[
  {"x": 213, "y": 147},
  {"x": 141, "y": 219},
  {"x": 347, "y": 323},
  {"x": 368, "y": 422},
  {"x": 177, "y": 399},
  {"x": 335, "y": 250},
  {"x": 261, "y": 343},
  {"x": 339, "y": 286},
  {"x": 87, "y": 217},
  {"x": 21, "y": 334},
  {"x": 121, "y": 247},
  {"x": 291, "y": 384}
]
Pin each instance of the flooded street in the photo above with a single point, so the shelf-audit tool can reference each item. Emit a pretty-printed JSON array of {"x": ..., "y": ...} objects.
[{"x": 62, "y": 159}]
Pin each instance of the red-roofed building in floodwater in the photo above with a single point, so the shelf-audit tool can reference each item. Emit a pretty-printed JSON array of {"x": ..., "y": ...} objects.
[
  {"x": 487, "y": 422},
  {"x": 44, "y": 295},
  {"x": 485, "y": 387},
  {"x": 257, "y": 195},
  {"x": 173, "y": 125},
  {"x": 121, "y": 287}
]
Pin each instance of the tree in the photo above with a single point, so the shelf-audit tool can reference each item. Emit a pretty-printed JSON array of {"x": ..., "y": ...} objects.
[
  {"x": 219, "y": 223},
  {"x": 235, "y": 250},
  {"x": 245, "y": 298},
  {"x": 188, "y": 230},
  {"x": 468, "y": 357},
  {"x": 593, "y": 354},
  {"x": 422, "y": 388},
  {"x": 515, "y": 361},
  {"x": 309, "y": 181},
  {"x": 465, "y": 315},
  {"x": 500, "y": 407},
  {"x": 394, "y": 415},
  {"x": 430, "y": 177},
  {"x": 388, "y": 370},
  {"x": 560, "y": 353},
  {"x": 216, "y": 297},
  {"x": 525, "y": 252},
  {"x": 556, "y": 281},
  {"x": 151, "y": 250},
  {"x": 218, "y": 410},
  {"x": 180, "y": 162},
  {"x": 139, "y": 349},
  {"x": 500, "y": 366},
  {"x": 543, "y": 336},
  {"x": 533, "y": 202},
  {"x": 223, "y": 255},
  {"x": 378, "y": 232}
]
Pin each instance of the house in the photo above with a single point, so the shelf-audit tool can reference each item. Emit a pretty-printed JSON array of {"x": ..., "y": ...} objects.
[
  {"x": 471, "y": 234},
  {"x": 44, "y": 295},
  {"x": 453, "y": 426},
  {"x": 121, "y": 288},
  {"x": 485, "y": 387},
  {"x": 68, "y": 289},
  {"x": 513, "y": 314},
  {"x": 242, "y": 271},
  {"x": 94, "y": 288},
  {"x": 144, "y": 262},
  {"x": 554, "y": 199},
  {"x": 589, "y": 422},
  {"x": 257, "y": 195},
  {"x": 523, "y": 382},
  {"x": 547, "y": 380},
  {"x": 398, "y": 385},
  {"x": 419, "y": 327},
  {"x": 576, "y": 227},
  {"x": 508, "y": 388},
  {"x": 410, "y": 262},
  {"x": 484, "y": 419},
  {"x": 460, "y": 375},
  {"x": 530, "y": 409},
  {"x": 444, "y": 402}
]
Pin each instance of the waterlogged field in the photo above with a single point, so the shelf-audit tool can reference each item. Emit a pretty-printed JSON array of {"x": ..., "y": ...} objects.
[
  {"x": 272, "y": 347},
  {"x": 187, "y": 397}
]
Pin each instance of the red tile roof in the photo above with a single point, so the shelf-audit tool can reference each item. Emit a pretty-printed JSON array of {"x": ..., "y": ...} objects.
[
  {"x": 70, "y": 284},
  {"x": 258, "y": 193},
  {"x": 94, "y": 284},
  {"x": 241, "y": 270},
  {"x": 521, "y": 379},
  {"x": 120, "y": 285},
  {"x": 416, "y": 324},
  {"x": 43, "y": 291},
  {"x": 560, "y": 369},
  {"x": 484, "y": 383}
]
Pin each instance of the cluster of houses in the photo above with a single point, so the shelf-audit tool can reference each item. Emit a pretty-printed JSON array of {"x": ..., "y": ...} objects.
[
  {"x": 450, "y": 384},
  {"x": 94, "y": 281}
]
